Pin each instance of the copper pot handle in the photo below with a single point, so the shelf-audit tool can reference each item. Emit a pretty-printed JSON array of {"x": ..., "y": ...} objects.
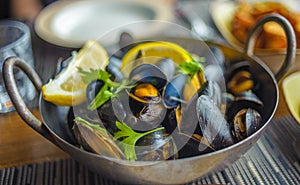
[
  {"x": 290, "y": 38},
  {"x": 17, "y": 100}
]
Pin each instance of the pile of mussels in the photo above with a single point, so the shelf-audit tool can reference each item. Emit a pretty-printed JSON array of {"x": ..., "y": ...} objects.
[{"x": 172, "y": 119}]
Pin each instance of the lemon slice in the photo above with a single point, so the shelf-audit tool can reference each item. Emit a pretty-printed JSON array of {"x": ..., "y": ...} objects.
[
  {"x": 154, "y": 51},
  {"x": 67, "y": 88}
]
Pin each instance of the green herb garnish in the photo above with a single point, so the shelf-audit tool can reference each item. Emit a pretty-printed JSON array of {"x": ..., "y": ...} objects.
[
  {"x": 192, "y": 67},
  {"x": 109, "y": 90},
  {"x": 129, "y": 138},
  {"x": 88, "y": 76}
]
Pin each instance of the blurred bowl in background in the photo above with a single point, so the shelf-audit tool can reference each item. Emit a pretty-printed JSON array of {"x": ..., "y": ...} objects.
[{"x": 70, "y": 23}]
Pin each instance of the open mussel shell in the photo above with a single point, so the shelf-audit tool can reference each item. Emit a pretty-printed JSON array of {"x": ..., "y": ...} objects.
[
  {"x": 148, "y": 73},
  {"x": 96, "y": 141},
  {"x": 140, "y": 116},
  {"x": 245, "y": 123},
  {"x": 240, "y": 79},
  {"x": 236, "y": 67},
  {"x": 148, "y": 118},
  {"x": 247, "y": 99}
]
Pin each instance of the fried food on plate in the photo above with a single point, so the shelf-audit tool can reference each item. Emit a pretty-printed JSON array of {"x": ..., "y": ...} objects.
[{"x": 272, "y": 35}]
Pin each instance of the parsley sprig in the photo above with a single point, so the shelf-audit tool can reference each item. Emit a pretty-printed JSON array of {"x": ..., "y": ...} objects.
[
  {"x": 191, "y": 68},
  {"x": 109, "y": 90},
  {"x": 129, "y": 138}
]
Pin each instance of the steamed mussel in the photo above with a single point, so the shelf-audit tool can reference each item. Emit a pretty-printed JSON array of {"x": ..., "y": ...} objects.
[{"x": 157, "y": 112}]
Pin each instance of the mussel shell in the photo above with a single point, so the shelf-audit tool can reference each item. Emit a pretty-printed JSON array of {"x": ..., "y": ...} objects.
[
  {"x": 254, "y": 121},
  {"x": 246, "y": 122},
  {"x": 248, "y": 96},
  {"x": 155, "y": 146},
  {"x": 114, "y": 70},
  {"x": 110, "y": 112},
  {"x": 93, "y": 89},
  {"x": 167, "y": 66},
  {"x": 172, "y": 94},
  {"x": 214, "y": 72},
  {"x": 141, "y": 116},
  {"x": 192, "y": 147},
  {"x": 241, "y": 81},
  {"x": 115, "y": 61},
  {"x": 189, "y": 122},
  {"x": 219, "y": 56},
  {"x": 239, "y": 78},
  {"x": 246, "y": 99},
  {"x": 172, "y": 120},
  {"x": 212, "y": 90},
  {"x": 126, "y": 42},
  {"x": 96, "y": 141},
  {"x": 189, "y": 119},
  {"x": 236, "y": 67},
  {"x": 148, "y": 73},
  {"x": 215, "y": 129}
]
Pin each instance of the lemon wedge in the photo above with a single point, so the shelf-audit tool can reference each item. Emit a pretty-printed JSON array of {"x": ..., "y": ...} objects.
[
  {"x": 67, "y": 88},
  {"x": 151, "y": 51}
]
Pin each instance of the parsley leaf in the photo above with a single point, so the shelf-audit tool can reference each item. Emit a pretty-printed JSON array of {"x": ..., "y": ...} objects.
[
  {"x": 88, "y": 76},
  {"x": 192, "y": 67},
  {"x": 130, "y": 137},
  {"x": 109, "y": 90},
  {"x": 103, "y": 96}
]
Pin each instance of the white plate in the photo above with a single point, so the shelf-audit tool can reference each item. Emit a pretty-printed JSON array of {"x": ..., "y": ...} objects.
[{"x": 71, "y": 23}]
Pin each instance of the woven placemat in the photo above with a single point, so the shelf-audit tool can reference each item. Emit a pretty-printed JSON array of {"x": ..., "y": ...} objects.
[{"x": 273, "y": 160}]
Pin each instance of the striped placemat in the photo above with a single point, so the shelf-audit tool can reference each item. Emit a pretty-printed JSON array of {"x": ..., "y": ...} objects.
[{"x": 273, "y": 160}]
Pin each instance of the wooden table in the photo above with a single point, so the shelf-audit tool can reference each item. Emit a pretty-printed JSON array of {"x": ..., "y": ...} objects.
[{"x": 19, "y": 144}]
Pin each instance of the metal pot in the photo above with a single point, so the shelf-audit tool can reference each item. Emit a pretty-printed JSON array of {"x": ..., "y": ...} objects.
[{"x": 53, "y": 124}]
